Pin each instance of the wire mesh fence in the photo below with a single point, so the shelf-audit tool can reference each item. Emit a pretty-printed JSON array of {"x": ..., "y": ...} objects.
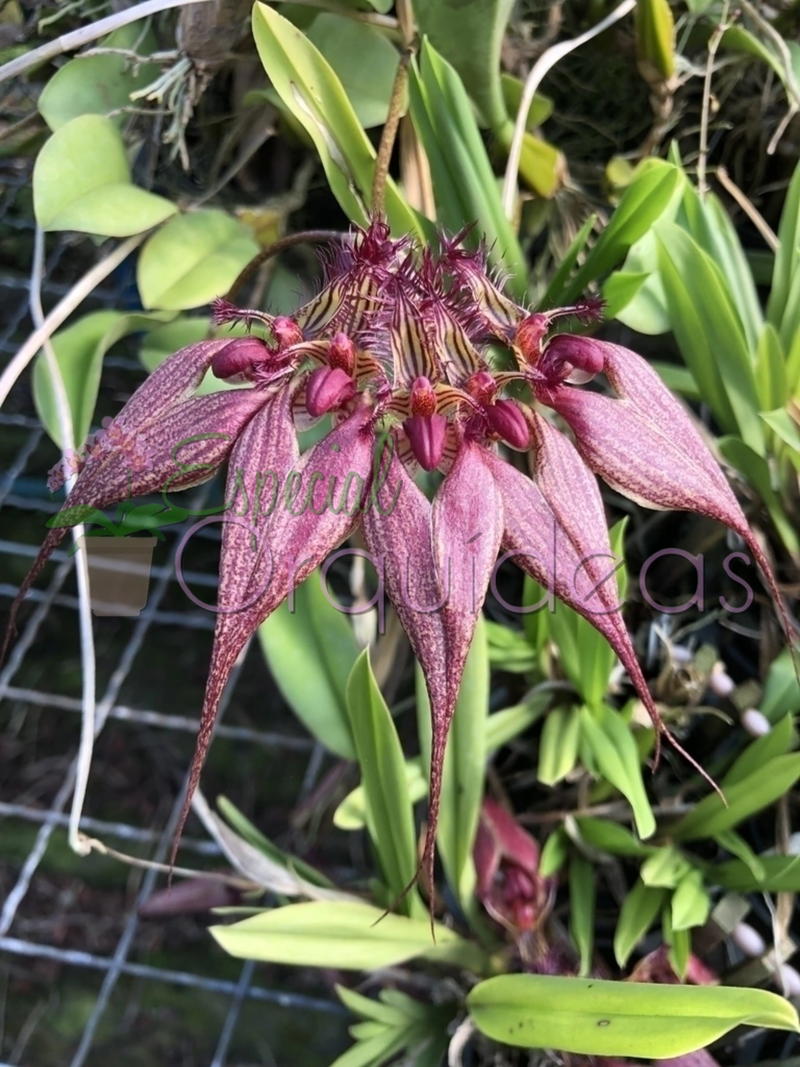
[{"x": 79, "y": 968}]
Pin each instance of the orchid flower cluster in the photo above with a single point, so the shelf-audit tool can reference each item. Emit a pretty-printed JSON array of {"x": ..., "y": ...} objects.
[
  {"x": 113, "y": 437},
  {"x": 400, "y": 346}
]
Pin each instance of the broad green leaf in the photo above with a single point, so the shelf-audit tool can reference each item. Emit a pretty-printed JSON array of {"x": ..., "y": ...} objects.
[
  {"x": 541, "y": 166},
  {"x": 501, "y": 728},
  {"x": 782, "y": 690},
  {"x": 344, "y": 935},
  {"x": 554, "y": 853},
  {"x": 639, "y": 909},
  {"x": 363, "y": 59},
  {"x": 463, "y": 180},
  {"x": 644, "y": 201},
  {"x": 787, "y": 265},
  {"x": 664, "y": 869},
  {"x": 744, "y": 798},
  {"x": 193, "y": 259},
  {"x": 463, "y": 771},
  {"x": 709, "y": 333},
  {"x": 97, "y": 85},
  {"x": 311, "y": 91},
  {"x": 617, "y": 758},
  {"x": 82, "y": 182},
  {"x": 620, "y": 288},
  {"x": 388, "y": 810},
  {"x": 311, "y": 651},
  {"x": 469, "y": 36},
  {"x": 756, "y": 470},
  {"x": 655, "y": 39},
  {"x": 599, "y": 1018},
  {"x": 759, "y": 752},
  {"x": 781, "y": 875},
  {"x": 611, "y": 837},
  {"x": 771, "y": 373},
  {"x": 79, "y": 351},
  {"x": 558, "y": 747},
  {"x": 581, "y": 905},
  {"x": 690, "y": 902}
]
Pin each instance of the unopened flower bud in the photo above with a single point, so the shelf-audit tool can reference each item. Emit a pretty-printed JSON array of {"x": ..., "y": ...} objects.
[
  {"x": 423, "y": 399},
  {"x": 755, "y": 723},
  {"x": 482, "y": 387},
  {"x": 427, "y": 435},
  {"x": 327, "y": 389},
  {"x": 237, "y": 360},
  {"x": 720, "y": 683},
  {"x": 749, "y": 940},
  {"x": 342, "y": 353},
  {"x": 789, "y": 980},
  {"x": 505, "y": 419},
  {"x": 286, "y": 332},
  {"x": 572, "y": 358}
]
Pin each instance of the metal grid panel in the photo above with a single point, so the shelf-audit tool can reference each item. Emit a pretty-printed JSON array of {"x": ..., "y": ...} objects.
[{"x": 48, "y": 598}]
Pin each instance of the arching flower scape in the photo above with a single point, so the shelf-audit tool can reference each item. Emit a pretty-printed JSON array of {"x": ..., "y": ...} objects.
[{"x": 400, "y": 348}]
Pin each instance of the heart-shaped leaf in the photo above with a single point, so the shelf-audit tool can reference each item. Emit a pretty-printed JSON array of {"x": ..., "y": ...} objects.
[
  {"x": 193, "y": 259},
  {"x": 82, "y": 181}
]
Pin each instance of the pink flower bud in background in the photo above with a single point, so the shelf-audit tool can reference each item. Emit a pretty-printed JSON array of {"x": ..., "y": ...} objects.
[
  {"x": 237, "y": 360},
  {"x": 506, "y": 858}
]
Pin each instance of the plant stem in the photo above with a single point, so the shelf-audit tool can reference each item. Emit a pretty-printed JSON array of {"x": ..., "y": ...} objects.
[
  {"x": 389, "y": 134},
  {"x": 545, "y": 63},
  {"x": 88, "y": 665}
]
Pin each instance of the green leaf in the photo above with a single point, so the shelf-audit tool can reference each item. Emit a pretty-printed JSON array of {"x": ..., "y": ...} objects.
[
  {"x": 79, "y": 351},
  {"x": 501, "y": 728},
  {"x": 738, "y": 847},
  {"x": 787, "y": 431},
  {"x": 781, "y": 875},
  {"x": 644, "y": 201},
  {"x": 787, "y": 265},
  {"x": 709, "y": 333},
  {"x": 469, "y": 36},
  {"x": 389, "y": 815},
  {"x": 639, "y": 909},
  {"x": 757, "y": 472},
  {"x": 678, "y": 942},
  {"x": 464, "y": 183},
  {"x": 82, "y": 182},
  {"x": 746, "y": 797},
  {"x": 554, "y": 296},
  {"x": 193, "y": 259},
  {"x": 690, "y": 902},
  {"x": 509, "y": 650},
  {"x": 617, "y": 756},
  {"x": 311, "y": 91},
  {"x": 655, "y": 39},
  {"x": 599, "y": 1018},
  {"x": 678, "y": 379},
  {"x": 664, "y": 869},
  {"x": 344, "y": 935},
  {"x": 581, "y": 903},
  {"x": 558, "y": 748},
  {"x": 364, "y": 61},
  {"x": 759, "y": 752},
  {"x": 782, "y": 689},
  {"x": 97, "y": 85},
  {"x": 771, "y": 373},
  {"x": 541, "y": 106},
  {"x": 611, "y": 837},
  {"x": 555, "y": 852},
  {"x": 311, "y": 651}
]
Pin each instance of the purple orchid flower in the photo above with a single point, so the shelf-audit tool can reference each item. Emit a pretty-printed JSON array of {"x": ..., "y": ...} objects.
[{"x": 395, "y": 348}]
